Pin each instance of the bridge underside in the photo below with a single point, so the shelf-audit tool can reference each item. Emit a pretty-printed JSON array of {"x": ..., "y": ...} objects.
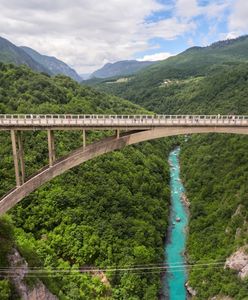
[{"x": 86, "y": 153}]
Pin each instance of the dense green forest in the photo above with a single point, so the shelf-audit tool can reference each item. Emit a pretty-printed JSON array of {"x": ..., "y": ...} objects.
[
  {"x": 110, "y": 212},
  {"x": 181, "y": 84},
  {"x": 215, "y": 173},
  {"x": 214, "y": 167},
  {"x": 222, "y": 90}
]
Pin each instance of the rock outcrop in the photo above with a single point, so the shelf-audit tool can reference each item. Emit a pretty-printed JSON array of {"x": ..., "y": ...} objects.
[
  {"x": 19, "y": 267},
  {"x": 185, "y": 200},
  {"x": 239, "y": 261},
  {"x": 190, "y": 290}
]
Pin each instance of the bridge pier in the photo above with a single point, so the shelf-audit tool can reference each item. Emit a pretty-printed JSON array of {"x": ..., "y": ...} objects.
[
  {"x": 18, "y": 156},
  {"x": 51, "y": 147},
  {"x": 21, "y": 155},
  {"x": 84, "y": 138},
  {"x": 118, "y": 133}
]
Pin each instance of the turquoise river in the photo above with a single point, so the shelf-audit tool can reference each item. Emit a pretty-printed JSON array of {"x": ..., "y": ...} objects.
[{"x": 176, "y": 275}]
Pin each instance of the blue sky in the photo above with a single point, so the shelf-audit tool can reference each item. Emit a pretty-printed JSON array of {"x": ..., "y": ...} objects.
[
  {"x": 86, "y": 34},
  {"x": 206, "y": 29}
]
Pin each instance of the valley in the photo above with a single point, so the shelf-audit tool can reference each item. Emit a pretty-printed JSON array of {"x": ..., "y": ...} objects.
[{"x": 113, "y": 212}]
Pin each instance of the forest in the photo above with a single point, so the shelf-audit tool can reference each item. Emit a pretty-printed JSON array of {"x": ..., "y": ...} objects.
[
  {"x": 215, "y": 173},
  {"x": 199, "y": 80},
  {"x": 214, "y": 168},
  {"x": 110, "y": 212}
]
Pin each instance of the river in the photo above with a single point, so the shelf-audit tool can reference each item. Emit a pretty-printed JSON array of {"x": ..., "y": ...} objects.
[{"x": 175, "y": 278}]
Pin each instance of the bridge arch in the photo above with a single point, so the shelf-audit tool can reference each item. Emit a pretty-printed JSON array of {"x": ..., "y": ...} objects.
[{"x": 96, "y": 149}]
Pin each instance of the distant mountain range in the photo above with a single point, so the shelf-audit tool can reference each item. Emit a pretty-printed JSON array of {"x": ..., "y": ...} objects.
[
  {"x": 54, "y": 65},
  {"x": 173, "y": 77},
  {"x": 121, "y": 68},
  {"x": 10, "y": 53}
]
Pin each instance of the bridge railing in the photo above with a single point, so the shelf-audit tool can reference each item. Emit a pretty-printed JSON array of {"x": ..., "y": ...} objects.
[{"x": 118, "y": 120}]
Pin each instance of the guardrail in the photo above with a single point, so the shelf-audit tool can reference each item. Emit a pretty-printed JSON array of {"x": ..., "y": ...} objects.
[{"x": 68, "y": 120}]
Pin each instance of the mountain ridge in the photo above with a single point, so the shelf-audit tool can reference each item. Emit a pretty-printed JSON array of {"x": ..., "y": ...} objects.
[
  {"x": 10, "y": 53},
  {"x": 54, "y": 65},
  {"x": 193, "y": 62},
  {"x": 121, "y": 68}
]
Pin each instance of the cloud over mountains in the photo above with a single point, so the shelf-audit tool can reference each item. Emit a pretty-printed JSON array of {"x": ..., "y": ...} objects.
[{"x": 88, "y": 33}]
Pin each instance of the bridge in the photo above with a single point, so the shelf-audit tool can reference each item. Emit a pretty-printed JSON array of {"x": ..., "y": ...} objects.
[{"x": 128, "y": 130}]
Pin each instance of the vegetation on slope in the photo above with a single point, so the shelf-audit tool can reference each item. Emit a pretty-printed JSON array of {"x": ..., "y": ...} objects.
[
  {"x": 109, "y": 212},
  {"x": 9, "y": 53},
  {"x": 214, "y": 167},
  {"x": 147, "y": 89},
  {"x": 215, "y": 172},
  {"x": 120, "y": 68}
]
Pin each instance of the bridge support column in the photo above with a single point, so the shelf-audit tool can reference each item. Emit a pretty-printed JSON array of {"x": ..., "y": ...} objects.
[
  {"x": 15, "y": 157},
  {"x": 118, "y": 133},
  {"x": 84, "y": 138},
  {"x": 51, "y": 147},
  {"x": 21, "y": 155}
]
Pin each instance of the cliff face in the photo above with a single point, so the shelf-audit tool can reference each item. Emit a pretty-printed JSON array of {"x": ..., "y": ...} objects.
[
  {"x": 239, "y": 261},
  {"x": 19, "y": 267},
  {"x": 39, "y": 292}
]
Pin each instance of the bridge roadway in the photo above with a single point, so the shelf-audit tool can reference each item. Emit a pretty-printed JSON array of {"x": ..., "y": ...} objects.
[
  {"x": 129, "y": 130},
  {"x": 122, "y": 122}
]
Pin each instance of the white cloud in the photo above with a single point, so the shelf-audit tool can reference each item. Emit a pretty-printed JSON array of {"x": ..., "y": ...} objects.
[
  {"x": 187, "y": 8},
  {"x": 156, "y": 56},
  {"x": 87, "y": 33},
  {"x": 190, "y": 9},
  {"x": 238, "y": 19},
  {"x": 212, "y": 12}
]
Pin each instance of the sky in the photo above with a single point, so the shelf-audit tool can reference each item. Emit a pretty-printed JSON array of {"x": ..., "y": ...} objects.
[{"x": 86, "y": 34}]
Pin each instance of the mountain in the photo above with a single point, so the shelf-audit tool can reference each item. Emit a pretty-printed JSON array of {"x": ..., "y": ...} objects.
[
  {"x": 121, "y": 68},
  {"x": 54, "y": 65},
  {"x": 9, "y": 53},
  {"x": 155, "y": 80}
]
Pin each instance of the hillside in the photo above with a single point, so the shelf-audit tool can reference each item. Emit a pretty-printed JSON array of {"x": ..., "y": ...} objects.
[
  {"x": 208, "y": 80},
  {"x": 54, "y": 65},
  {"x": 195, "y": 62},
  {"x": 121, "y": 68},
  {"x": 9, "y": 53},
  {"x": 111, "y": 211},
  {"x": 214, "y": 169}
]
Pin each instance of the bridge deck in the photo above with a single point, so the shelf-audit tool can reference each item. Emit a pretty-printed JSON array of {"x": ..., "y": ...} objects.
[
  {"x": 138, "y": 128},
  {"x": 102, "y": 122}
]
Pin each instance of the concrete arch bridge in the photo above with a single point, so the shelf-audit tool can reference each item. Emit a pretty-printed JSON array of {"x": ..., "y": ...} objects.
[{"x": 129, "y": 130}]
